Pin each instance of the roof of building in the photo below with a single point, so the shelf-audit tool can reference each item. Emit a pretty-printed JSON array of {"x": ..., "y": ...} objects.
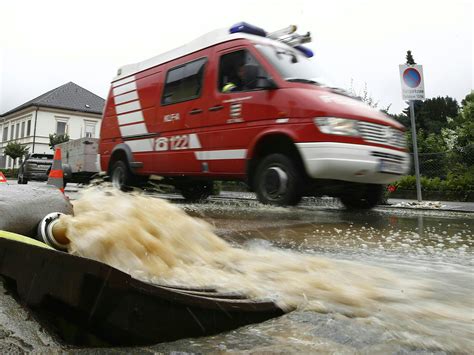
[
  {"x": 69, "y": 96},
  {"x": 205, "y": 41}
]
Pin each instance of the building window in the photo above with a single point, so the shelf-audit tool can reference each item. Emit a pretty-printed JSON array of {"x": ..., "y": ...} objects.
[
  {"x": 61, "y": 128},
  {"x": 17, "y": 133},
  {"x": 28, "y": 128},
  {"x": 89, "y": 130},
  {"x": 5, "y": 134},
  {"x": 12, "y": 131},
  {"x": 22, "y": 129}
]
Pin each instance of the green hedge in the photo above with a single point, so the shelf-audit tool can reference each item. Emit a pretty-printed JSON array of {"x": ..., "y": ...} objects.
[
  {"x": 10, "y": 173},
  {"x": 453, "y": 182}
]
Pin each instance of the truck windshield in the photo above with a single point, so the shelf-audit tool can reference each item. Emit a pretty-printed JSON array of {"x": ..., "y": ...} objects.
[{"x": 291, "y": 64}]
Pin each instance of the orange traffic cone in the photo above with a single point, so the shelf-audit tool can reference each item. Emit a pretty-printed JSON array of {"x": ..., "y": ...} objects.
[
  {"x": 3, "y": 179},
  {"x": 56, "y": 176}
]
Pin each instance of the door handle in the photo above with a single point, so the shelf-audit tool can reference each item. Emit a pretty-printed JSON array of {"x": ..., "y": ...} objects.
[
  {"x": 195, "y": 111},
  {"x": 216, "y": 108}
]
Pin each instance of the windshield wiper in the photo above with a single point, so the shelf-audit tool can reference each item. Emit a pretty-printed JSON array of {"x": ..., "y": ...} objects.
[{"x": 301, "y": 80}]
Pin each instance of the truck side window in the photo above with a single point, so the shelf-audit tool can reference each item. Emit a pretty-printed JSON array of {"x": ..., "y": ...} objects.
[
  {"x": 234, "y": 69},
  {"x": 184, "y": 82}
]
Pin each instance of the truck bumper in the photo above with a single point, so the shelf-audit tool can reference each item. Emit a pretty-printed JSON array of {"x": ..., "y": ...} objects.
[{"x": 353, "y": 162}]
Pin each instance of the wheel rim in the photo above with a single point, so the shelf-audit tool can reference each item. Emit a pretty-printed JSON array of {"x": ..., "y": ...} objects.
[
  {"x": 118, "y": 178},
  {"x": 275, "y": 182}
]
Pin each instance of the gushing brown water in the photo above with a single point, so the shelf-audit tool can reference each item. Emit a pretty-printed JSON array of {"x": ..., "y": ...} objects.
[{"x": 156, "y": 241}]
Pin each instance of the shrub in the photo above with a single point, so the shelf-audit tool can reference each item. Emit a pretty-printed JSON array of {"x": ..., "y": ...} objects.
[
  {"x": 454, "y": 182},
  {"x": 9, "y": 173}
]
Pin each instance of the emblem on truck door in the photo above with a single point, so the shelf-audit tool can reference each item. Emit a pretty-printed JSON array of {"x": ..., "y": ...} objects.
[
  {"x": 235, "y": 113},
  {"x": 171, "y": 117}
]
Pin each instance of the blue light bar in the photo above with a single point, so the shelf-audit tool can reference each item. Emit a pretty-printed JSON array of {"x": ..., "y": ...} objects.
[
  {"x": 306, "y": 51},
  {"x": 244, "y": 27}
]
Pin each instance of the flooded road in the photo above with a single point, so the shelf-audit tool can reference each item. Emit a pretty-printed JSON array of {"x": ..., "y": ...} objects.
[{"x": 390, "y": 281}]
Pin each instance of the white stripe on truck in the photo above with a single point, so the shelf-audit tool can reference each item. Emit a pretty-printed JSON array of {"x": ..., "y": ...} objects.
[
  {"x": 123, "y": 81},
  {"x": 141, "y": 145},
  {"x": 133, "y": 130},
  {"x": 221, "y": 154},
  {"x": 131, "y": 96},
  {"x": 131, "y": 106},
  {"x": 125, "y": 88},
  {"x": 131, "y": 117}
]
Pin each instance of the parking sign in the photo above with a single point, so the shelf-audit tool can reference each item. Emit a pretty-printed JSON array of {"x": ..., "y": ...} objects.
[{"x": 411, "y": 77}]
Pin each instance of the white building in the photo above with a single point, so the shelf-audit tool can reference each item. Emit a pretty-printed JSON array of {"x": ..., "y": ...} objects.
[{"x": 68, "y": 109}]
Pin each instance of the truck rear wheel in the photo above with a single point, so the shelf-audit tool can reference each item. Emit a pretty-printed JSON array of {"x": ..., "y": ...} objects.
[
  {"x": 278, "y": 181},
  {"x": 366, "y": 197},
  {"x": 196, "y": 191},
  {"x": 120, "y": 175}
]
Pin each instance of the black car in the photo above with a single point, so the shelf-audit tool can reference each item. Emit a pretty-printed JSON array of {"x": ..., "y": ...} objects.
[{"x": 35, "y": 167}]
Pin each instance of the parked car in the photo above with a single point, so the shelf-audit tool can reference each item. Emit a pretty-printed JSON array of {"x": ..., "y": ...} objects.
[{"x": 35, "y": 167}]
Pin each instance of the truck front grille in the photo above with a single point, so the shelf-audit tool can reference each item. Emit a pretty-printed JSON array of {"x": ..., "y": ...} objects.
[{"x": 380, "y": 134}]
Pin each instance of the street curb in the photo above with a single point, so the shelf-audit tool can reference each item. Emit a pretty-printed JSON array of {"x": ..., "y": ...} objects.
[{"x": 423, "y": 209}]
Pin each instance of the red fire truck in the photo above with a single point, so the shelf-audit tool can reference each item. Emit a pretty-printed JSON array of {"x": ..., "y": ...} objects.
[{"x": 244, "y": 104}]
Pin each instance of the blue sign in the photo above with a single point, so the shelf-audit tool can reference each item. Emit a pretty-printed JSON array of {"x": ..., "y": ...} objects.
[{"x": 411, "y": 77}]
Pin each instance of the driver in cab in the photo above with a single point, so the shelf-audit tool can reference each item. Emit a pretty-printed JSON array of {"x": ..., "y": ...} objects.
[{"x": 235, "y": 84}]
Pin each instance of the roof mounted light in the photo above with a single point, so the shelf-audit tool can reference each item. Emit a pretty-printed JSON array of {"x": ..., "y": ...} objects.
[
  {"x": 306, "y": 51},
  {"x": 286, "y": 35},
  {"x": 244, "y": 27}
]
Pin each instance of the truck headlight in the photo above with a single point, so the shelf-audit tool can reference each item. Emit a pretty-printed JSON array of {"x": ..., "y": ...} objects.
[{"x": 336, "y": 125}]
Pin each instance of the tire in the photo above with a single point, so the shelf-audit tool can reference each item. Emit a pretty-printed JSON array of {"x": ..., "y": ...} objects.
[
  {"x": 121, "y": 176},
  {"x": 197, "y": 191},
  {"x": 21, "y": 179},
  {"x": 278, "y": 182},
  {"x": 366, "y": 197}
]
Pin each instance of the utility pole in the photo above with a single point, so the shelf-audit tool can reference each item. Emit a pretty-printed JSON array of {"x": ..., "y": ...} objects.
[
  {"x": 415, "y": 151},
  {"x": 411, "y": 77}
]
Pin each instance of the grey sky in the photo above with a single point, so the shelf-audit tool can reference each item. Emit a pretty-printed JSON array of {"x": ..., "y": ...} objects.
[{"x": 44, "y": 44}]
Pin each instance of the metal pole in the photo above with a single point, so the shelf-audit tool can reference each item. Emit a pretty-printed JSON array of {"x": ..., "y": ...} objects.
[
  {"x": 34, "y": 131},
  {"x": 415, "y": 151}
]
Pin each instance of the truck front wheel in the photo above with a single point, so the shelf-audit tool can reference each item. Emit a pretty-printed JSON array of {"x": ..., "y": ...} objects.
[
  {"x": 278, "y": 181},
  {"x": 366, "y": 197}
]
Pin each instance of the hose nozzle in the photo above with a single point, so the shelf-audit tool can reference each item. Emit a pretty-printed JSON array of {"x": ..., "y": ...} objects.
[{"x": 52, "y": 232}]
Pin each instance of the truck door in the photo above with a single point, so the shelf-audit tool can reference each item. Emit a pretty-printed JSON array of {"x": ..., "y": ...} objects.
[
  {"x": 237, "y": 109},
  {"x": 181, "y": 104}
]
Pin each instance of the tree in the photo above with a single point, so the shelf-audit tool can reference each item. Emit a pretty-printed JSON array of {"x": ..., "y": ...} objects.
[
  {"x": 16, "y": 150},
  {"x": 402, "y": 118},
  {"x": 432, "y": 115},
  {"x": 463, "y": 126},
  {"x": 55, "y": 139},
  {"x": 410, "y": 59}
]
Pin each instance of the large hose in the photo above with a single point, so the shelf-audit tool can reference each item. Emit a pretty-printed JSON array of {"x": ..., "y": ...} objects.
[{"x": 23, "y": 209}]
